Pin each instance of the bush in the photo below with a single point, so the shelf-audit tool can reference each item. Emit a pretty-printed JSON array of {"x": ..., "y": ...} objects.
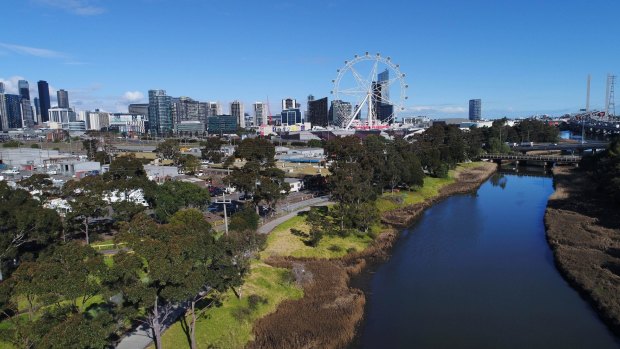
[
  {"x": 254, "y": 300},
  {"x": 35, "y": 146},
  {"x": 335, "y": 248},
  {"x": 12, "y": 144}
]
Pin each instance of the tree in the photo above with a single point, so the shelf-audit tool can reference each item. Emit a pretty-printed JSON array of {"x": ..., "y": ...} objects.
[
  {"x": 315, "y": 143},
  {"x": 38, "y": 182},
  {"x": 244, "y": 220},
  {"x": 256, "y": 149},
  {"x": 168, "y": 149},
  {"x": 92, "y": 147},
  {"x": 211, "y": 150},
  {"x": 189, "y": 163},
  {"x": 86, "y": 201},
  {"x": 24, "y": 223},
  {"x": 126, "y": 167},
  {"x": 176, "y": 262},
  {"x": 172, "y": 196}
]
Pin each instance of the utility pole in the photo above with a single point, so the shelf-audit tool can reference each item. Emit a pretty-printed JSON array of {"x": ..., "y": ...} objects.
[{"x": 224, "y": 202}]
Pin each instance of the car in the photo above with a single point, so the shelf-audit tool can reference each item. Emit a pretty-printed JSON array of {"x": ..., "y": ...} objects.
[
  {"x": 215, "y": 207},
  {"x": 52, "y": 172},
  {"x": 215, "y": 191},
  {"x": 245, "y": 197},
  {"x": 230, "y": 190},
  {"x": 11, "y": 172}
]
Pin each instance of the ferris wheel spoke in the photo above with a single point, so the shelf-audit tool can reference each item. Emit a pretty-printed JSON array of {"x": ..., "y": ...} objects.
[{"x": 363, "y": 83}]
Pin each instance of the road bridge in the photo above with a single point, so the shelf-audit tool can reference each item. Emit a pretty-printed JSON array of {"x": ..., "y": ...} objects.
[
  {"x": 546, "y": 159},
  {"x": 572, "y": 147}
]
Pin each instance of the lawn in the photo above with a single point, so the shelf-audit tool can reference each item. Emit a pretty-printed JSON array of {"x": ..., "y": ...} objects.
[
  {"x": 282, "y": 243},
  {"x": 230, "y": 325},
  {"x": 430, "y": 189}
]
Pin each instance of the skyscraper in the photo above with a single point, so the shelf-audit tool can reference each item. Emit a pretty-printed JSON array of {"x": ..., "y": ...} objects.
[
  {"x": 13, "y": 111},
  {"x": 475, "y": 109},
  {"x": 186, "y": 109},
  {"x": 63, "y": 98},
  {"x": 260, "y": 114},
  {"x": 44, "y": 99},
  {"x": 4, "y": 121},
  {"x": 37, "y": 108},
  {"x": 24, "y": 89},
  {"x": 160, "y": 115},
  {"x": 317, "y": 112},
  {"x": 27, "y": 113},
  {"x": 236, "y": 110},
  {"x": 382, "y": 109}
]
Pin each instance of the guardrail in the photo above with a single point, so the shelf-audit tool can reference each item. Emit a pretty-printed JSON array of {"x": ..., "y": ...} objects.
[{"x": 545, "y": 158}]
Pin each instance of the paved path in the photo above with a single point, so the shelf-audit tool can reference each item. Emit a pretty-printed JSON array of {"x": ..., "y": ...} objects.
[
  {"x": 295, "y": 208},
  {"x": 142, "y": 336}
]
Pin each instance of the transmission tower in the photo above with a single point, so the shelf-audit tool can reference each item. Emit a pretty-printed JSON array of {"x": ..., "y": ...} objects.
[{"x": 610, "y": 105}]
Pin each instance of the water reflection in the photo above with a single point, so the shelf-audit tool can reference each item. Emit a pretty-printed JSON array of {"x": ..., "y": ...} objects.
[{"x": 476, "y": 272}]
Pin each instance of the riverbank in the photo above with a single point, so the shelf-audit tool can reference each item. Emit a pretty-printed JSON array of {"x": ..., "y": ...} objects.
[
  {"x": 331, "y": 308},
  {"x": 583, "y": 230}
]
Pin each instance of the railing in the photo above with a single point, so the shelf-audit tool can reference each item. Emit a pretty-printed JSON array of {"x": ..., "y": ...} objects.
[{"x": 547, "y": 158}]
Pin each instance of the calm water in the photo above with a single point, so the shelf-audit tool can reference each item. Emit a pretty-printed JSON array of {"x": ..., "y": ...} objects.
[{"x": 476, "y": 272}]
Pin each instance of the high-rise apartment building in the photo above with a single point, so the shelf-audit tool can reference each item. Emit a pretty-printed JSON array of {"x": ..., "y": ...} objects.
[
  {"x": 13, "y": 111},
  {"x": 215, "y": 108},
  {"x": 317, "y": 113},
  {"x": 63, "y": 98},
  {"x": 475, "y": 109},
  {"x": 289, "y": 103},
  {"x": 44, "y": 100},
  {"x": 24, "y": 89},
  {"x": 186, "y": 109},
  {"x": 37, "y": 109},
  {"x": 260, "y": 114},
  {"x": 291, "y": 116},
  {"x": 236, "y": 110},
  {"x": 27, "y": 113},
  {"x": 382, "y": 109},
  {"x": 160, "y": 114},
  {"x": 4, "y": 120},
  {"x": 339, "y": 111}
]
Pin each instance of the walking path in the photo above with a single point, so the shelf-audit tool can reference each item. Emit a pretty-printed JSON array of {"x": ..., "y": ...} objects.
[{"x": 142, "y": 336}]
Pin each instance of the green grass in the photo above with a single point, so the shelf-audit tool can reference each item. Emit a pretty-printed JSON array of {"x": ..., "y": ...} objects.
[
  {"x": 224, "y": 327},
  {"x": 429, "y": 190},
  {"x": 281, "y": 242}
]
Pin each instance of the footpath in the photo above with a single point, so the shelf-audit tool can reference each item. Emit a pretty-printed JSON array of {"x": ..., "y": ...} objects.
[{"x": 142, "y": 336}]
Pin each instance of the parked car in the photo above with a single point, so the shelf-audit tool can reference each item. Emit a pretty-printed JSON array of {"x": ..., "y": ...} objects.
[
  {"x": 215, "y": 207},
  {"x": 52, "y": 172},
  {"x": 215, "y": 191}
]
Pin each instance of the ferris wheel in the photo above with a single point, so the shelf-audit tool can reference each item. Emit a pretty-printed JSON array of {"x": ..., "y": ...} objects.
[{"x": 369, "y": 87}]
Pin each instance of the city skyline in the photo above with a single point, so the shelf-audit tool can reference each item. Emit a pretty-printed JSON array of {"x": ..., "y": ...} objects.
[{"x": 478, "y": 50}]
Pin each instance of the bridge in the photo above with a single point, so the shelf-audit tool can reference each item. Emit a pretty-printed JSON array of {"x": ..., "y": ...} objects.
[
  {"x": 571, "y": 147},
  {"x": 547, "y": 159}
]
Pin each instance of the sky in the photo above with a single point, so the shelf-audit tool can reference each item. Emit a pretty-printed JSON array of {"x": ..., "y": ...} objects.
[{"x": 521, "y": 57}]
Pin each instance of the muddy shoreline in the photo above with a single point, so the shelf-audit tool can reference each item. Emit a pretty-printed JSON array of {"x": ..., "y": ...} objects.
[
  {"x": 583, "y": 231},
  {"x": 332, "y": 309}
]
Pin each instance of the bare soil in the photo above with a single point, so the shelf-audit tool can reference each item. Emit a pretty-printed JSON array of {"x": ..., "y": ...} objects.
[
  {"x": 583, "y": 230},
  {"x": 331, "y": 310}
]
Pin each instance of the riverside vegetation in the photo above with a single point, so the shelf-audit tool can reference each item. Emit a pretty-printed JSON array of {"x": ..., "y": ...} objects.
[
  {"x": 58, "y": 290},
  {"x": 583, "y": 229}
]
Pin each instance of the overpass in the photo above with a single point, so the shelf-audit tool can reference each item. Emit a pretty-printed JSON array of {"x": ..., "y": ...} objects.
[
  {"x": 547, "y": 159},
  {"x": 579, "y": 147}
]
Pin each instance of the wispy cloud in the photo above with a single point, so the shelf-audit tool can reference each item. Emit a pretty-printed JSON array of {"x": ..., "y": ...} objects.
[
  {"x": 77, "y": 7},
  {"x": 32, "y": 51},
  {"x": 133, "y": 96},
  {"x": 447, "y": 109}
]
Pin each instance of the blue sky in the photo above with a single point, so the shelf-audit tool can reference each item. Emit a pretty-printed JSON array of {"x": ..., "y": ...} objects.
[{"x": 521, "y": 57}]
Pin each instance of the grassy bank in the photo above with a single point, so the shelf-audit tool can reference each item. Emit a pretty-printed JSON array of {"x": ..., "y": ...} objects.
[
  {"x": 583, "y": 230},
  {"x": 330, "y": 308},
  {"x": 230, "y": 325}
]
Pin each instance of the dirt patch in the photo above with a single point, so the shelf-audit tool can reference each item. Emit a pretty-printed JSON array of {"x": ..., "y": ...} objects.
[
  {"x": 330, "y": 311},
  {"x": 583, "y": 230}
]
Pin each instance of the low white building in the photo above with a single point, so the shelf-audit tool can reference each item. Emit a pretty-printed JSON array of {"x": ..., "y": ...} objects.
[
  {"x": 295, "y": 184},
  {"x": 160, "y": 173},
  {"x": 79, "y": 168},
  {"x": 136, "y": 196}
]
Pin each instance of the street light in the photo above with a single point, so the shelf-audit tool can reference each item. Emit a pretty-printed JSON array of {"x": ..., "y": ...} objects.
[{"x": 224, "y": 202}]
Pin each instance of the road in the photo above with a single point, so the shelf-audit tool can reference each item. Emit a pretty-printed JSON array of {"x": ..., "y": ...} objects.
[{"x": 294, "y": 210}]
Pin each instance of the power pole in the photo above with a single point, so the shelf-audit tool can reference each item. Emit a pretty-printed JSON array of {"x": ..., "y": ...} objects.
[{"x": 224, "y": 202}]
